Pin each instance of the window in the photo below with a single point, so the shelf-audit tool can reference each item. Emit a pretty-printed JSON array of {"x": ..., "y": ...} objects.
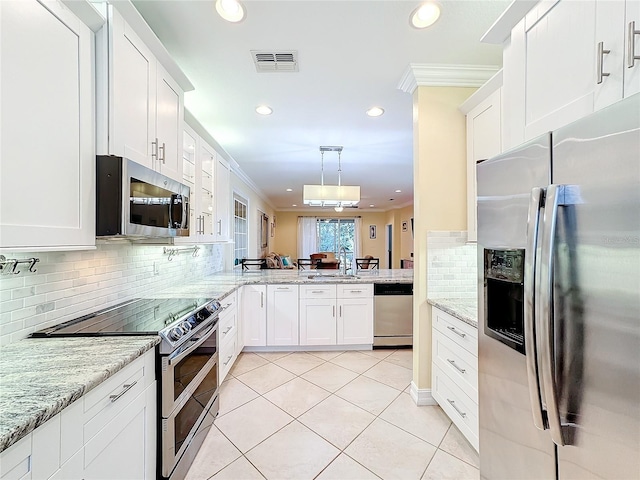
[
  {"x": 240, "y": 229},
  {"x": 334, "y": 233}
]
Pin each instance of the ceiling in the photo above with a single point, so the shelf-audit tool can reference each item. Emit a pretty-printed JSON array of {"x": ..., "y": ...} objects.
[{"x": 351, "y": 56}]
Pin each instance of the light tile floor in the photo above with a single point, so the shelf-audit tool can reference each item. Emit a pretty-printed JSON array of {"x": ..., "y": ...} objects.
[{"x": 329, "y": 416}]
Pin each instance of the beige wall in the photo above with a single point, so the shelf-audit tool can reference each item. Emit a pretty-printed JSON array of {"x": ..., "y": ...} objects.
[
  {"x": 406, "y": 239},
  {"x": 439, "y": 171},
  {"x": 286, "y": 236}
]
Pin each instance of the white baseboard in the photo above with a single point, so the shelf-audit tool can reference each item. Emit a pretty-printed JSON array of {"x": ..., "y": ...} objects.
[{"x": 422, "y": 396}]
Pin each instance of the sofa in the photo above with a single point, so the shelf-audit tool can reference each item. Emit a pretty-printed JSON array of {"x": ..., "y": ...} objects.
[{"x": 279, "y": 261}]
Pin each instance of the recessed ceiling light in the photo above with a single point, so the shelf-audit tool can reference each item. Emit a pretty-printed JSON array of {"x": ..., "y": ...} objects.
[
  {"x": 294, "y": 205},
  {"x": 425, "y": 15},
  {"x": 375, "y": 111},
  {"x": 398, "y": 191},
  {"x": 289, "y": 189},
  {"x": 230, "y": 10},
  {"x": 372, "y": 205},
  {"x": 264, "y": 110}
]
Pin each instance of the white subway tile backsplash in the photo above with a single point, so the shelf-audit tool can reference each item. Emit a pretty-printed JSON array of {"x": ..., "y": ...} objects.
[
  {"x": 452, "y": 265},
  {"x": 70, "y": 284}
]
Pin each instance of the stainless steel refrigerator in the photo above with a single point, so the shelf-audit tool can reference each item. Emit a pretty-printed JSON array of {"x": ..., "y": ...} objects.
[{"x": 559, "y": 302}]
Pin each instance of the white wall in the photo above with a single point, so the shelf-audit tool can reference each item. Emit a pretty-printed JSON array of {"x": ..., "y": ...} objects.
[{"x": 67, "y": 285}]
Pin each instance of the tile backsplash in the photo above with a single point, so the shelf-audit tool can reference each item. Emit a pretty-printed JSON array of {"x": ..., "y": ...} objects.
[
  {"x": 67, "y": 285},
  {"x": 452, "y": 265}
]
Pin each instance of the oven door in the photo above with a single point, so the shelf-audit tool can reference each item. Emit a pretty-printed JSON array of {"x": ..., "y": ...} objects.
[{"x": 184, "y": 369}]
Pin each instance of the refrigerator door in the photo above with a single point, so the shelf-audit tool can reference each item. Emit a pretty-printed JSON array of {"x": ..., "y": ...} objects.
[
  {"x": 597, "y": 294},
  {"x": 511, "y": 447}
]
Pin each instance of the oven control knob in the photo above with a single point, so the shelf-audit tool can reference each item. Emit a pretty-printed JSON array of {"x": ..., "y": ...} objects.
[
  {"x": 176, "y": 333},
  {"x": 186, "y": 326}
]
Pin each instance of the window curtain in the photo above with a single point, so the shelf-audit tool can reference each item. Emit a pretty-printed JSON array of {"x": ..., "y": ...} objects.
[
  {"x": 357, "y": 233},
  {"x": 307, "y": 236}
]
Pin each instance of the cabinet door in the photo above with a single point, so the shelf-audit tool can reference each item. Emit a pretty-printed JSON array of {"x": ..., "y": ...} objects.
[
  {"x": 190, "y": 164},
  {"x": 282, "y": 315},
  {"x": 125, "y": 447},
  {"x": 169, "y": 115},
  {"x": 254, "y": 316},
  {"x": 484, "y": 140},
  {"x": 223, "y": 200},
  {"x": 560, "y": 64},
  {"x": 132, "y": 94},
  {"x": 355, "y": 321},
  {"x": 47, "y": 152},
  {"x": 317, "y": 322},
  {"x": 207, "y": 204},
  {"x": 632, "y": 74}
]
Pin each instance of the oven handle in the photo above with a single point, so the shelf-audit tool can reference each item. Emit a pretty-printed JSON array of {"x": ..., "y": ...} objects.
[{"x": 204, "y": 337}]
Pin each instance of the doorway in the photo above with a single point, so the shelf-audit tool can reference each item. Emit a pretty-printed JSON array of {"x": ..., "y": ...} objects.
[{"x": 389, "y": 245}]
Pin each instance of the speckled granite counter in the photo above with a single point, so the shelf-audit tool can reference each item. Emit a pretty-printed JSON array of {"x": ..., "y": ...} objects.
[
  {"x": 41, "y": 376},
  {"x": 466, "y": 309}
]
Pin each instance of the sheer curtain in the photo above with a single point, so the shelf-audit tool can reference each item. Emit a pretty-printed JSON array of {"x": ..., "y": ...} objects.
[
  {"x": 357, "y": 233},
  {"x": 307, "y": 236}
]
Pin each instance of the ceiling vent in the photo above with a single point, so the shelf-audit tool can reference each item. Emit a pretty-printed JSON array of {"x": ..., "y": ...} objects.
[{"x": 275, "y": 61}]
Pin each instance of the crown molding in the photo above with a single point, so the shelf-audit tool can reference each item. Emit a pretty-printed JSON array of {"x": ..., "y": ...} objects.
[
  {"x": 480, "y": 95},
  {"x": 440, "y": 75},
  {"x": 501, "y": 28}
]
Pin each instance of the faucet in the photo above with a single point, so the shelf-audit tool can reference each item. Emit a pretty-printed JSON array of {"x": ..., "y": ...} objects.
[{"x": 343, "y": 266}]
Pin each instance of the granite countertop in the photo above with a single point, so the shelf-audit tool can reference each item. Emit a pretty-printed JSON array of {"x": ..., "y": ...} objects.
[
  {"x": 41, "y": 376},
  {"x": 466, "y": 309}
]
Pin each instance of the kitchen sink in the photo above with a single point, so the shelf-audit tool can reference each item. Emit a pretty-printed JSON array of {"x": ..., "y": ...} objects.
[{"x": 333, "y": 276}]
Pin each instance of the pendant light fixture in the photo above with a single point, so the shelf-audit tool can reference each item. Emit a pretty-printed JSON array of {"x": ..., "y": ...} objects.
[{"x": 337, "y": 196}]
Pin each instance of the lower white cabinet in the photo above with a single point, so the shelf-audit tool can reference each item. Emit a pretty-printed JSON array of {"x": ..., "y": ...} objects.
[
  {"x": 282, "y": 315},
  {"x": 355, "y": 314},
  {"x": 318, "y": 323},
  {"x": 455, "y": 372},
  {"x": 96, "y": 437},
  {"x": 228, "y": 334},
  {"x": 254, "y": 315}
]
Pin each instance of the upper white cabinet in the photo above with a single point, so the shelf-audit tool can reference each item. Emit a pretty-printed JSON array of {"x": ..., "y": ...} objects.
[
  {"x": 484, "y": 139},
  {"x": 617, "y": 45},
  {"x": 47, "y": 148},
  {"x": 222, "y": 220},
  {"x": 566, "y": 59},
  {"x": 140, "y": 106}
]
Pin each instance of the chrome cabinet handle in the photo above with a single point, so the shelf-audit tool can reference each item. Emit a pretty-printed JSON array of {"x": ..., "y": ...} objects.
[
  {"x": 261, "y": 299},
  {"x": 599, "y": 63},
  {"x": 460, "y": 412},
  {"x": 453, "y": 362},
  {"x": 334, "y": 311},
  {"x": 227, "y": 330},
  {"x": 154, "y": 143},
  {"x": 340, "y": 310},
  {"x": 219, "y": 227},
  {"x": 530, "y": 265},
  {"x": 317, "y": 291},
  {"x": 228, "y": 360},
  {"x": 163, "y": 148},
  {"x": 126, "y": 388},
  {"x": 356, "y": 291},
  {"x": 454, "y": 330},
  {"x": 282, "y": 288},
  {"x": 631, "y": 47}
]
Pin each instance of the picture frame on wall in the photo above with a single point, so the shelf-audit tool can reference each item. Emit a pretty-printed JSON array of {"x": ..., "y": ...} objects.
[
  {"x": 372, "y": 232},
  {"x": 273, "y": 229},
  {"x": 405, "y": 226},
  {"x": 264, "y": 231}
]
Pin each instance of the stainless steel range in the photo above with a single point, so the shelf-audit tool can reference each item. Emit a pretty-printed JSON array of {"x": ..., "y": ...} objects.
[{"x": 186, "y": 367}]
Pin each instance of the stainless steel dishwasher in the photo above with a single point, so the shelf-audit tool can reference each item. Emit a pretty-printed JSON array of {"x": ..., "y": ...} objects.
[{"x": 393, "y": 315}]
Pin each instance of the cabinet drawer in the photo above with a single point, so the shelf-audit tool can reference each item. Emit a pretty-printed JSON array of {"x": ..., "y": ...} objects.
[
  {"x": 226, "y": 358},
  {"x": 359, "y": 290},
  {"x": 459, "y": 332},
  {"x": 229, "y": 302},
  {"x": 99, "y": 406},
  {"x": 228, "y": 326},
  {"x": 318, "y": 291},
  {"x": 460, "y": 365},
  {"x": 459, "y": 407}
]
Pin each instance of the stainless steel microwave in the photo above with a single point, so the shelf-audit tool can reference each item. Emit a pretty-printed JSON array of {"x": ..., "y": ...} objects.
[{"x": 135, "y": 201}]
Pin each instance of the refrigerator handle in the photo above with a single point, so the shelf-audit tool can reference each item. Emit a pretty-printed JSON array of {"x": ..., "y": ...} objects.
[
  {"x": 533, "y": 222},
  {"x": 556, "y": 196}
]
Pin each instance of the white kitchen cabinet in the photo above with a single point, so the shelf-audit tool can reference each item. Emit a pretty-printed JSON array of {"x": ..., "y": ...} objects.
[
  {"x": 484, "y": 139},
  {"x": 222, "y": 219},
  {"x": 254, "y": 315},
  {"x": 96, "y": 437},
  {"x": 318, "y": 310},
  {"x": 282, "y": 315},
  {"x": 455, "y": 372},
  {"x": 190, "y": 165},
  {"x": 355, "y": 314},
  {"x": 208, "y": 195},
  {"x": 616, "y": 20},
  {"x": 228, "y": 334},
  {"x": 47, "y": 153},
  {"x": 140, "y": 106}
]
